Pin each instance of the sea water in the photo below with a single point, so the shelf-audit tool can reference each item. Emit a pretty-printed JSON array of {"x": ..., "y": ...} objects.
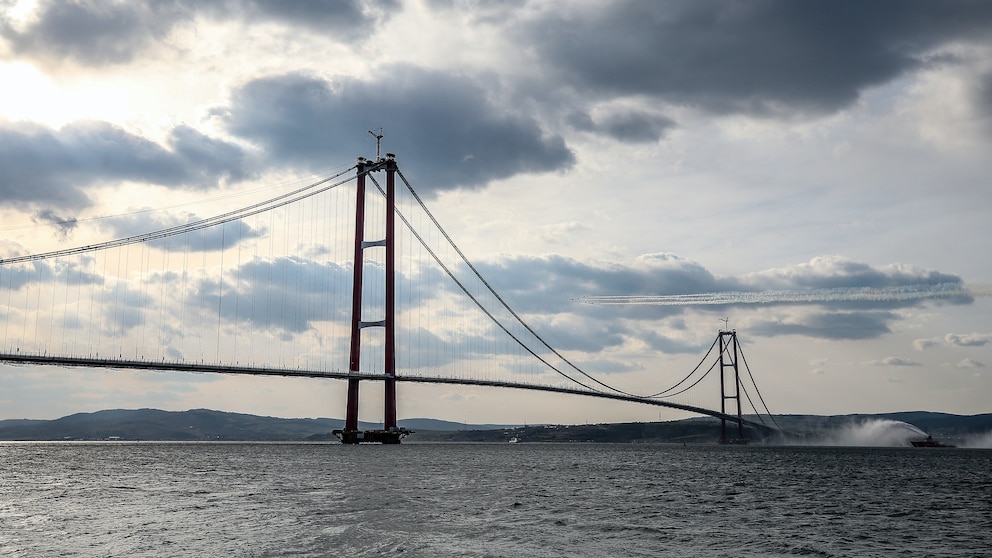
[{"x": 437, "y": 500}]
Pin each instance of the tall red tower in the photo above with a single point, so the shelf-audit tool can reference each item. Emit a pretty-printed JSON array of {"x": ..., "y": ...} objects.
[
  {"x": 728, "y": 367},
  {"x": 390, "y": 432}
]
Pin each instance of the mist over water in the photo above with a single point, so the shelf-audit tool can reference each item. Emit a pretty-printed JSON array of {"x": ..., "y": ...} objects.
[
  {"x": 874, "y": 433},
  {"x": 978, "y": 441}
]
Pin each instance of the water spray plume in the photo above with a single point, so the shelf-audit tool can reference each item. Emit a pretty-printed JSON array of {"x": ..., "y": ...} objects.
[
  {"x": 875, "y": 432},
  {"x": 867, "y": 433},
  {"x": 800, "y": 296}
]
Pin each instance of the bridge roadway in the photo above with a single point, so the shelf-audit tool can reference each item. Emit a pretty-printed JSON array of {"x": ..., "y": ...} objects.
[{"x": 164, "y": 366}]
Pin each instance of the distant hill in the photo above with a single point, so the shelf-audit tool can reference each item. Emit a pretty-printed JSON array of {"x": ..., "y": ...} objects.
[
  {"x": 193, "y": 425},
  {"x": 858, "y": 429},
  {"x": 208, "y": 425}
]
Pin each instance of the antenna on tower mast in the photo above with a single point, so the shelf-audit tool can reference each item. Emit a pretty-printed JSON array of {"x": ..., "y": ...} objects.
[{"x": 378, "y": 143}]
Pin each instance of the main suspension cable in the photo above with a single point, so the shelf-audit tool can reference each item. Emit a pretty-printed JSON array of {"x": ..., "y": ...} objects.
[
  {"x": 756, "y": 390},
  {"x": 255, "y": 209},
  {"x": 687, "y": 376}
]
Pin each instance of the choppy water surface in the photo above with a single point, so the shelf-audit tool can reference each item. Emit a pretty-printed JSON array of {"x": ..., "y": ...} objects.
[{"x": 160, "y": 499}]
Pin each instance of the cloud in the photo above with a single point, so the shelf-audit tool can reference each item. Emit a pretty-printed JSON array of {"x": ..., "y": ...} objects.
[
  {"x": 94, "y": 33},
  {"x": 625, "y": 126},
  {"x": 342, "y": 19},
  {"x": 457, "y": 396},
  {"x": 443, "y": 127},
  {"x": 207, "y": 160},
  {"x": 553, "y": 286},
  {"x": 848, "y": 317},
  {"x": 543, "y": 283},
  {"x": 209, "y": 239},
  {"x": 662, "y": 343},
  {"x": 817, "y": 366},
  {"x": 973, "y": 339},
  {"x": 63, "y": 225},
  {"x": 831, "y": 272},
  {"x": 27, "y": 273},
  {"x": 756, "y": 57},
  {"x": 45, "y": 167},
  {"x": 893, "y": 361},
  {"x": 969, "y": 363},
  {"x": 968, "y": 339},
  {"x": 829, "y": 325},
  {"x": 123, "y": 309},
  {"x": 292, "y": 293},
  {"x": 984, "y": 99},
  {"x": 824, "y": 281}
]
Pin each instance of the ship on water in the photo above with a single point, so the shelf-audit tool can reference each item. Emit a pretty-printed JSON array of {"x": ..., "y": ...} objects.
[{"x": 929, "y": 442}]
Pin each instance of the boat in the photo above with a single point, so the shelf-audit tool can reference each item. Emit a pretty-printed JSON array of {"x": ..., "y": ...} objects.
[{"x": 930, "y": 443}]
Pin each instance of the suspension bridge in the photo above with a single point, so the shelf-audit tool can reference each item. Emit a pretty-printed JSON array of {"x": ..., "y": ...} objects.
[{"x": 347, "y": 278}]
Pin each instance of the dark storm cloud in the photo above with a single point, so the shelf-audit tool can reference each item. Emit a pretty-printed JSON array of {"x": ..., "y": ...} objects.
[
  {"x": 830, "y": 325},
  {"x": 92, "y": 32},
  {"x": 37, "y": 167},
  {"x": 49, "y": 167},
  {"x": 345, "y": 19},
  {"x": 756, "y": 56},
  {"x": 444, "y": 130},
  {"x": 625, "y": 126},
  {"x": 95, "y": 33},
  {"x": 62, "y": 224},
  {"x": 205, "y": 159}
]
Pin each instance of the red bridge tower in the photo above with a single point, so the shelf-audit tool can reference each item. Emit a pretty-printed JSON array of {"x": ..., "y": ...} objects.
[{"x": 390, "y": 432}]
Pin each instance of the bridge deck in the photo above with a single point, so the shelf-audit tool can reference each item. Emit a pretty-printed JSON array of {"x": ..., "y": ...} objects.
[{"x": 165, "y": 366}]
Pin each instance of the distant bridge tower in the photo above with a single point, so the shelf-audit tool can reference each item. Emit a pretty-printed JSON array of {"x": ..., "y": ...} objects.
[
  {"x": 390, "y": 433},
  {"x": 730, "y": 376}
]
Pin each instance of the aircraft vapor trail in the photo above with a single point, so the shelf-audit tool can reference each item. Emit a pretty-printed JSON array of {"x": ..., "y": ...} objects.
[{"x": 800, "y": 296}]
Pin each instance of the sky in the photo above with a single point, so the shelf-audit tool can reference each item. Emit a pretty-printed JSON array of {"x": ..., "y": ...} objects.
[{"x": 571, "y": 149}]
